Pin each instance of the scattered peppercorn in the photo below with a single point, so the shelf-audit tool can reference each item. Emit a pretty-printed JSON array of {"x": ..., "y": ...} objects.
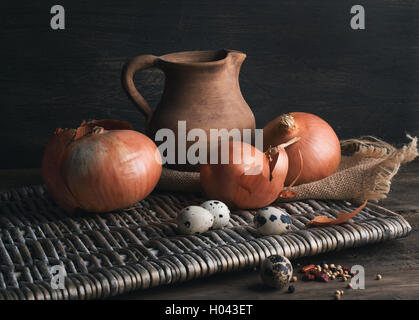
[
  {"x": 346, "y": 269},
  {"x": 308, "y": 267},
  {"x": 325, "y": 272},
  {"x": 318, "y": 275},
  {"x": 308, "y": 277}
]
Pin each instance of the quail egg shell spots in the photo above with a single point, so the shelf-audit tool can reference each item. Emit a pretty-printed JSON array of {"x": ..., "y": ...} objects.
[
  {"x": 194, "y": 220},
  {"x": 276, "y": 271},
  {"x": 220, "y": 212},
  {"x": 270, "y": 220}
]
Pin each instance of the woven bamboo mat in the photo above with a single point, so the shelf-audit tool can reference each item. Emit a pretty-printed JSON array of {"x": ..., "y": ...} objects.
[{"x": 137, "y": 248}]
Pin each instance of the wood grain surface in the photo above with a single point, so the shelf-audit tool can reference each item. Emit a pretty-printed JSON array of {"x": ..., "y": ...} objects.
[
  {"x": 397, "y": 260},
  {"x": 302, "y": 56}
]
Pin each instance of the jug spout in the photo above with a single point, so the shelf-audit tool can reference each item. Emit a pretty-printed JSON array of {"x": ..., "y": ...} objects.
[
  {"x": 237, "y": 56},
  {"x": 237, "y": 59}
]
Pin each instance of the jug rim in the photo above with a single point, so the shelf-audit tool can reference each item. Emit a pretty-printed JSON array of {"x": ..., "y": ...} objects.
[{"x": 198, "y": 57}]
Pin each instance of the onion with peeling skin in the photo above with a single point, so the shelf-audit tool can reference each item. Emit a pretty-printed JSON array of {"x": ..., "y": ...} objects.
[
  {"x": 101, "y": 166},
  {"x": 319, "y": 146},
  {"x": 255, "y": 182}
]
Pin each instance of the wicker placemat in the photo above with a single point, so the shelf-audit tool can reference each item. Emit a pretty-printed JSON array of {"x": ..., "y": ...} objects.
[{"x": 137, "y": 248}]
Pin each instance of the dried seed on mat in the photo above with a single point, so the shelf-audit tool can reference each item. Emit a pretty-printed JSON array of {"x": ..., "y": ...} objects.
[
  {"x": 308, "y": 267},
  {"x": 308, "y": 277}
]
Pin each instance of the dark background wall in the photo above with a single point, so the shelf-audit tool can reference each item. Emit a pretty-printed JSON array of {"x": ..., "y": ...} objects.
[{"x": 302, "y": 56}]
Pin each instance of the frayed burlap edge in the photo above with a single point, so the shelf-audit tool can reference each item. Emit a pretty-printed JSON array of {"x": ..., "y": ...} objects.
[
  {"x": 376, "y": 185},
  {"x": 364, "y": 174}
]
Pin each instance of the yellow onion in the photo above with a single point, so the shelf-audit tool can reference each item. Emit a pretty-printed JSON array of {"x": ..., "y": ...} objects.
[
  {"x": 101, "y": 166},
  {"x": 254, "y": 182},
  {"x": 319, "y": 146}
]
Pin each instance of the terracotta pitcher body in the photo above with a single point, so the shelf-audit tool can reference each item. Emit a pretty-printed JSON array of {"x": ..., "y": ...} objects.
[{"x": 201, "y": 88}]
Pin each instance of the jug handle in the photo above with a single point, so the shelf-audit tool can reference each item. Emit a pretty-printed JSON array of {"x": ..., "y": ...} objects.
[{"x": 130, "y": 67}]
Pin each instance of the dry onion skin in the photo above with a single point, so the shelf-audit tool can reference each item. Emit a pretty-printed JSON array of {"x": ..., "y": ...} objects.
[
  {"x": 319, "y": 146},
  {"x": 101, "y": 166},
  {"x": 233, "y": 184},
  {"x": 325, "y": 221}
]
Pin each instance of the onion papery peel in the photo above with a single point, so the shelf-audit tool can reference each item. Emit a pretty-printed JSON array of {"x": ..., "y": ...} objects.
[
  {"x": 287, "y": 192},
  {"x": 324, "y": 221}
]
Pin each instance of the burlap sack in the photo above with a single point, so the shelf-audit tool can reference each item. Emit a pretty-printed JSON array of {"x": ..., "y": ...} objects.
[{"x": 365, "y": 172}]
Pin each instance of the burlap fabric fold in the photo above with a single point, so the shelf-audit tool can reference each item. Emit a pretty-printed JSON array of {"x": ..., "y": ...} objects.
[{"x": 365, "y": 172}]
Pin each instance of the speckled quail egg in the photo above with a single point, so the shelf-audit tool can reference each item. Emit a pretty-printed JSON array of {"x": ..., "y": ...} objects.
[
  {"x": 271, "y": 220},
  {"x": 220, "y": 212},
  {"x": 276, "y": 271},
  {"x": 194, "y": 220}
]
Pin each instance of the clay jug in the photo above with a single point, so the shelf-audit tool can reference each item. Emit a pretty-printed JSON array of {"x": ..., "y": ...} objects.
[{"x": 201, "y": 88}]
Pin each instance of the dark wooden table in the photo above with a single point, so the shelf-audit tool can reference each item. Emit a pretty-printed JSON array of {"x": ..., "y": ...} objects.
[{"x": 397, "y": 261}]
